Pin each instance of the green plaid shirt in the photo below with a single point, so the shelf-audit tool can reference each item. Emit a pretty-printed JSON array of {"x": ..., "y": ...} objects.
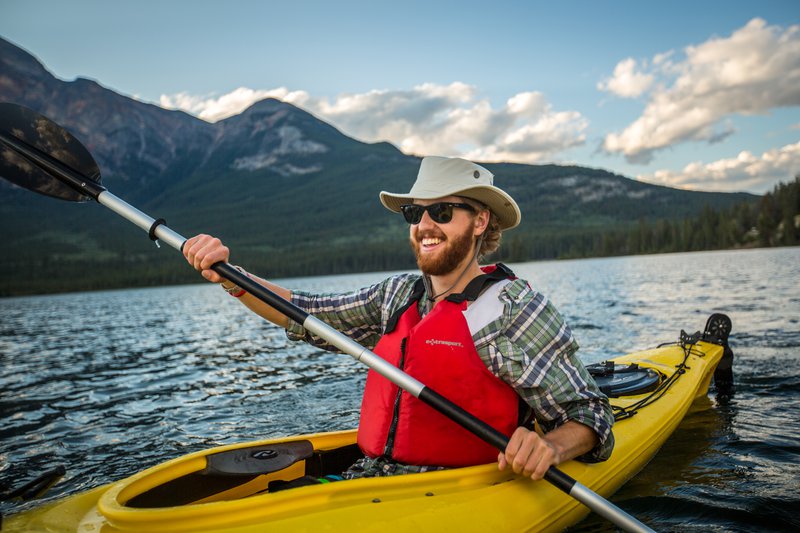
[{"x": 529, "y": 347}]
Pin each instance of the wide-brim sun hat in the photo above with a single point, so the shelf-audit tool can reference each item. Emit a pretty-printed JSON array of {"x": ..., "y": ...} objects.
[{"x": 451, "y": 176}]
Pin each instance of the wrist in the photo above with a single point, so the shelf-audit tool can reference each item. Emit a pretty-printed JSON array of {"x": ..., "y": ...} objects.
[{"x": 232, "y": 288}]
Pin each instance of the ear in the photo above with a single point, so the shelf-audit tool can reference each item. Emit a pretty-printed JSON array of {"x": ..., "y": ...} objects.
[{"x": 481, "y": 222}]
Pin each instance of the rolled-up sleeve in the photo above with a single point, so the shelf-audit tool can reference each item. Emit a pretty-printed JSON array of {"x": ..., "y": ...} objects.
[
  {"x": 356, "y": 314},
  {"x": 537, "y": 355}
]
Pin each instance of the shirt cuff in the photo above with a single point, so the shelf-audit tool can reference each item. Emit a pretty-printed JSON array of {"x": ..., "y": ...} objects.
[
  {"x": 295, "y": 331},
  {"x": 602, "y": 428}
]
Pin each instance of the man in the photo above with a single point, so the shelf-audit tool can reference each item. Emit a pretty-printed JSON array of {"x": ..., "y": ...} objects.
[{"x": 479, "y": 336}]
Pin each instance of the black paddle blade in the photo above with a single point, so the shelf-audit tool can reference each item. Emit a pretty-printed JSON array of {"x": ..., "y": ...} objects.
[{"x": 23, "y": 131}]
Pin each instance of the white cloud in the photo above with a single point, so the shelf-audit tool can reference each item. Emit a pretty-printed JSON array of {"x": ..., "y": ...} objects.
[
  {"x": 744, "y": 172},
  {"x": 427, "y": 119},
  {"x": 627, "y": 82},
  {"x": 214, "y": 109},
  {"x": 754, "y": 70}
]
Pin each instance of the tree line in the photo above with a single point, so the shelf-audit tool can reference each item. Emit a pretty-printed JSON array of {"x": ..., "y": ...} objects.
[{"x": 772, "y": 221}]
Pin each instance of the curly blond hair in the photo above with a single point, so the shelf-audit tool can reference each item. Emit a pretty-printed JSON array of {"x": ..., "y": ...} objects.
[{"x": 490, "y": 239}]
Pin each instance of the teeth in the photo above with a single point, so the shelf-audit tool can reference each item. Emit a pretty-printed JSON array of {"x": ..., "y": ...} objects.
[{"x": 431, "y": 241}]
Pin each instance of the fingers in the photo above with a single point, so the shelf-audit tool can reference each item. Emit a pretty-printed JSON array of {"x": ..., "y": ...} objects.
[
  {"x": 501, "y": 461},
  {"x": 202, "y": 251},
  {"x": 528, "y": 454}
]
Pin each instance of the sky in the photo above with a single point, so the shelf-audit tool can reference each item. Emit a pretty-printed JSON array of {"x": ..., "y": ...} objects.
[{"x": 701, "y": 95}]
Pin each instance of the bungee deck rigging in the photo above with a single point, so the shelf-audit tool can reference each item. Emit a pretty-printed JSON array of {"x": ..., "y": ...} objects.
[{"x": 640, "y": 380}]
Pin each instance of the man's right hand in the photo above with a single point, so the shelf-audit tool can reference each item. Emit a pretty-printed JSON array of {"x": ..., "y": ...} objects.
[{"x": 202, "y": 251}]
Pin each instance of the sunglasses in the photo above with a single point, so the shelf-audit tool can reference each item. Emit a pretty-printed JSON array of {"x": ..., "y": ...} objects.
[{"x": 440, "y": 212}]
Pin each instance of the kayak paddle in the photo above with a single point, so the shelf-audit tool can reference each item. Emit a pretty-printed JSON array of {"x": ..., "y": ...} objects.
[{"x": 39, "y": 155}]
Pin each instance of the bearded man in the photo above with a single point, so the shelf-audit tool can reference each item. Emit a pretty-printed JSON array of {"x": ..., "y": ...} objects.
[{"x": 479, "y": 336}]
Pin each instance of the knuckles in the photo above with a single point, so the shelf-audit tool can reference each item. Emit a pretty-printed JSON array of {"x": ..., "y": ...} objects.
[{"x": 528, "y": 454}]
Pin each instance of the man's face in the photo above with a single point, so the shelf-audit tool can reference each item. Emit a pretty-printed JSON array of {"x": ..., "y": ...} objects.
[{"x": 442, "y": 248}]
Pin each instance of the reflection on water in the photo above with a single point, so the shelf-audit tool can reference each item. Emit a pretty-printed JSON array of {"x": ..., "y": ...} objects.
[{"x": 109, "y": 383}]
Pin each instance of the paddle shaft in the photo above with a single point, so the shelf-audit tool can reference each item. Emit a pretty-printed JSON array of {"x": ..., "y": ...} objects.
[{"x": 157, "y": 229}]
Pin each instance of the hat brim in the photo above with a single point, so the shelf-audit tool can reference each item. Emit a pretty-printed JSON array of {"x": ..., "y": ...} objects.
[{"x": 501, "y": 204}]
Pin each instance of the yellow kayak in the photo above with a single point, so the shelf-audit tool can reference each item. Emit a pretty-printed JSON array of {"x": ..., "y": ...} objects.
[{"x": 243, "y": 487}]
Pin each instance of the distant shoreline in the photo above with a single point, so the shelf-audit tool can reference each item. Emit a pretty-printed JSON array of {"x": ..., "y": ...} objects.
[{"x": 196, "y": 280}]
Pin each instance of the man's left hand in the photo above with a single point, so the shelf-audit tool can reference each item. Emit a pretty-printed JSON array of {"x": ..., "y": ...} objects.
[{"x": 528, "y": 454}]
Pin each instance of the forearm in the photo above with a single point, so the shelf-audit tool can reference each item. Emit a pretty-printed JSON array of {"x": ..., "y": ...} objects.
[
  {"x": 262, "y": 309},
  {"x": 204, "y": 251},
  {"x": 571, "y": 439}
]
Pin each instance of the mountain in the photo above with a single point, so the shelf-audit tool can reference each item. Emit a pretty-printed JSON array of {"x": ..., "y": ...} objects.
[{"x": 290, "y": 193}]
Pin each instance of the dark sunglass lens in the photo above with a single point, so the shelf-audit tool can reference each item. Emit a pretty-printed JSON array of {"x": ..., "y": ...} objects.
[
  {"x": 412, "y": 213},
  {"x": 441, "y": 213}
]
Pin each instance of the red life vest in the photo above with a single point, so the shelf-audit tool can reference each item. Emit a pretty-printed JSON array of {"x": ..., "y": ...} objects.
[{"x": 438, "y": 351}]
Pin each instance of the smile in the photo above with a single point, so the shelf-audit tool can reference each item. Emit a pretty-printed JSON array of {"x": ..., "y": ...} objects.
[{"x": 431, "y": 241}]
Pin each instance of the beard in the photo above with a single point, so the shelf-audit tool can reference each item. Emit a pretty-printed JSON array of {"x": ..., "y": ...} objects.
[{"x": 448, "y": 259}]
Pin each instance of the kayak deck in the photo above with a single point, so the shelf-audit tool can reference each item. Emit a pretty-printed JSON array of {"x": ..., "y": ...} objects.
[{"x": 223, "y": 489}]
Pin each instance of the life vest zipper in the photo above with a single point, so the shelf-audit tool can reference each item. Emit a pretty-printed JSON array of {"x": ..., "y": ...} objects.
[{"x": 387, "y": 450}]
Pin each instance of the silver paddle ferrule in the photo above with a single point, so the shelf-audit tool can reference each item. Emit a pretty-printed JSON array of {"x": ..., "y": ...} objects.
[
  {"x": 608, "y": 510},
  {"x": 127, "y": 211},
  {"x": 347, "y": 345}
]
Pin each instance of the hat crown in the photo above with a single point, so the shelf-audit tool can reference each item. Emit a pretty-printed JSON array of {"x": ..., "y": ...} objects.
[
  {"x": 440, "y": 177},
  {"x": 447, "y": 174}
]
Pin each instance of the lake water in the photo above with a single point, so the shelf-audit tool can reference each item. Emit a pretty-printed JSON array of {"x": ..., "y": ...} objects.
[{"x": 109, "y": 383}]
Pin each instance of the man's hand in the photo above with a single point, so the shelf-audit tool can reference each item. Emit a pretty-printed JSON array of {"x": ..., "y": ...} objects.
[
  {"x": 202, "y": 251},
  {"x": 528, "y": 454}
]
